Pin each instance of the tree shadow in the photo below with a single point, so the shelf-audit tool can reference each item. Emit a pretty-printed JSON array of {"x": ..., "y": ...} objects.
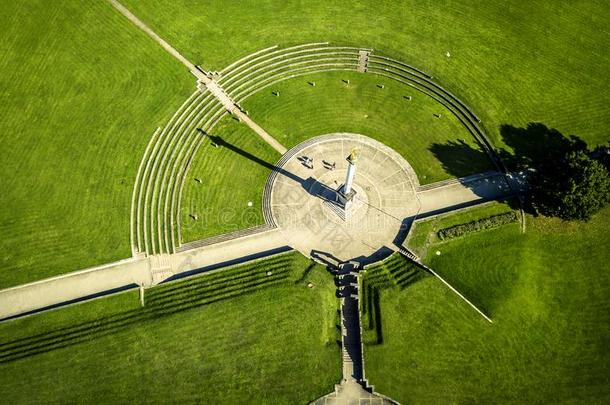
[
  {"x": 526, "y": 148},
  {"x": 535, "y": 144},
  {"x": 458, "y": 158}
]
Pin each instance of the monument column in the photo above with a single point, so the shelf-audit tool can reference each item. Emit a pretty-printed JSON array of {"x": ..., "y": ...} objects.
[
  {"x": 347, "y": 192},
  {"x": 351, "y": 172}
]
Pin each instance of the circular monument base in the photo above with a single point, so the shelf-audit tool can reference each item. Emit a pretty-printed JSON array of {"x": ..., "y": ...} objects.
[{"x": 305, "y": 203}]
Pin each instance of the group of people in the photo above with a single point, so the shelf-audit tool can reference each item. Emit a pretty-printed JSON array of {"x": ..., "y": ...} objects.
[{"x": 307, "y": 161}]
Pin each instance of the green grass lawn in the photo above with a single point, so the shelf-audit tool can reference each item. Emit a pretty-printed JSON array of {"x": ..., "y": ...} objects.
[
  {"x": 547, "y": 292},
  {"x": 82, "y": 91},
  {"x": 234, "y": 336},
  {"x": 424, "y": 233},
  {"x": 541, "y": 60},
  {"x": 231, "y": 175}
]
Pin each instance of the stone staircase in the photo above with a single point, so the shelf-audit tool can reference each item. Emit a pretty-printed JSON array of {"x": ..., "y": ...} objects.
[
  {"x": 160, "y": 268},
  {"x": 353, "y": 366},
  {"x": 354, "y": 388},
  {"x": 336, "y": 209},
  {"x": 410, "y": 255},
  {"x": 363, "y": 61}
]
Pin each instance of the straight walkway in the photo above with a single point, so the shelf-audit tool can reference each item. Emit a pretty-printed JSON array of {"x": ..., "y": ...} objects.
[
  {"x": 138, "y": 271},
  {"x": 137, "y": 22},
  {"x": 455, "y": 194}
]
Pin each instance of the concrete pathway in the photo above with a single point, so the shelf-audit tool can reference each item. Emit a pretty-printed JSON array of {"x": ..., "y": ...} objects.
[
  {"x": 151, "y": 270},
  {"x": 281, "y": 149},
  {"x": 203, "y": 78},
  {"x": 446, "y": 196},
  {"x": 137, "y": 22},
  {"x": 138, "y": 271},
  {"x": 354, "y": 388}
]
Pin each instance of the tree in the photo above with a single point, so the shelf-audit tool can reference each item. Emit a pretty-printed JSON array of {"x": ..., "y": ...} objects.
[
  {"x": 573, "y": 187},
  {"x": 602, "y": 154}
]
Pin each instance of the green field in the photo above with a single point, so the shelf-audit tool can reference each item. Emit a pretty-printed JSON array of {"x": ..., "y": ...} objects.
[
  {"x": 540, "y": 60},
  {"x": 235, "y": 336},
  {"x": 82, "y": 92},
  {"x": 546, "y": 291},
  {"x": 230, "y": 175}
]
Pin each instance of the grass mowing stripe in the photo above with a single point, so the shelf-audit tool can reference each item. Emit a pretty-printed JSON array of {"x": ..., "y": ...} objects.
[
  {"x": 161, "y": 307},
  {"x": 229, "y": 345},
  {"x": 231, "y": 285}
]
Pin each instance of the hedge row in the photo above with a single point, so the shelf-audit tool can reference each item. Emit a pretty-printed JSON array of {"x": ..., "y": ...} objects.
[{"x": 477, "y": 225}]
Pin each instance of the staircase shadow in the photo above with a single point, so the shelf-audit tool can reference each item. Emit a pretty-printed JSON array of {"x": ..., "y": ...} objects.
[
  {"x": 394, "y": 273},
  {"x": 161, "y": 301}
]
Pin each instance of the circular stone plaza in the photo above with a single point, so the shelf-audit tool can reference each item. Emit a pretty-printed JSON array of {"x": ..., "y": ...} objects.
[{"x": 306, "y": 191}]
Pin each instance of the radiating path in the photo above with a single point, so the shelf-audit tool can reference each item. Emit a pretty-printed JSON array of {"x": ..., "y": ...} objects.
[
  {"x": 136, "y": 272},
  {"x": 136, "y": 21},
  {"x": 204, "y": 78}
]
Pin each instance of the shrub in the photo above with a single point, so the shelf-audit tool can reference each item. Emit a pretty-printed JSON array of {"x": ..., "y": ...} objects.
[{"x": 477, "y": 225}]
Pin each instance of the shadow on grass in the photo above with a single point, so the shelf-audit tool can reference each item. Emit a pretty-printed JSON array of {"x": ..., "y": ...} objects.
[
  {"x": 306, "y": 272},
  {"x": 535, "y": 144},
  {"x": 161, "y": 301},
  {"x": 527, "y": 148},
  {"x": 311, "y": 185},
  {"x": 395, "y": 273},
  {"x": 217, "y": 140},
  {"x": 459, "y": 159}
]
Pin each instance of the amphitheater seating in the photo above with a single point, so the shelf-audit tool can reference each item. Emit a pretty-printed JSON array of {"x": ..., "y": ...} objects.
[
  {"x": 160, "y": 179},
  {"x": 155, "y": 222}
]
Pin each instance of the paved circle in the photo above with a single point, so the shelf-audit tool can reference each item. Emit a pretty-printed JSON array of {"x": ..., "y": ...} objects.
[{"x": 300, "y": 197}]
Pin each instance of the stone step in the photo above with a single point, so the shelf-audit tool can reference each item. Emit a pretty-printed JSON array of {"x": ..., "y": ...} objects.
[{"x": 363, "y": 61}]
